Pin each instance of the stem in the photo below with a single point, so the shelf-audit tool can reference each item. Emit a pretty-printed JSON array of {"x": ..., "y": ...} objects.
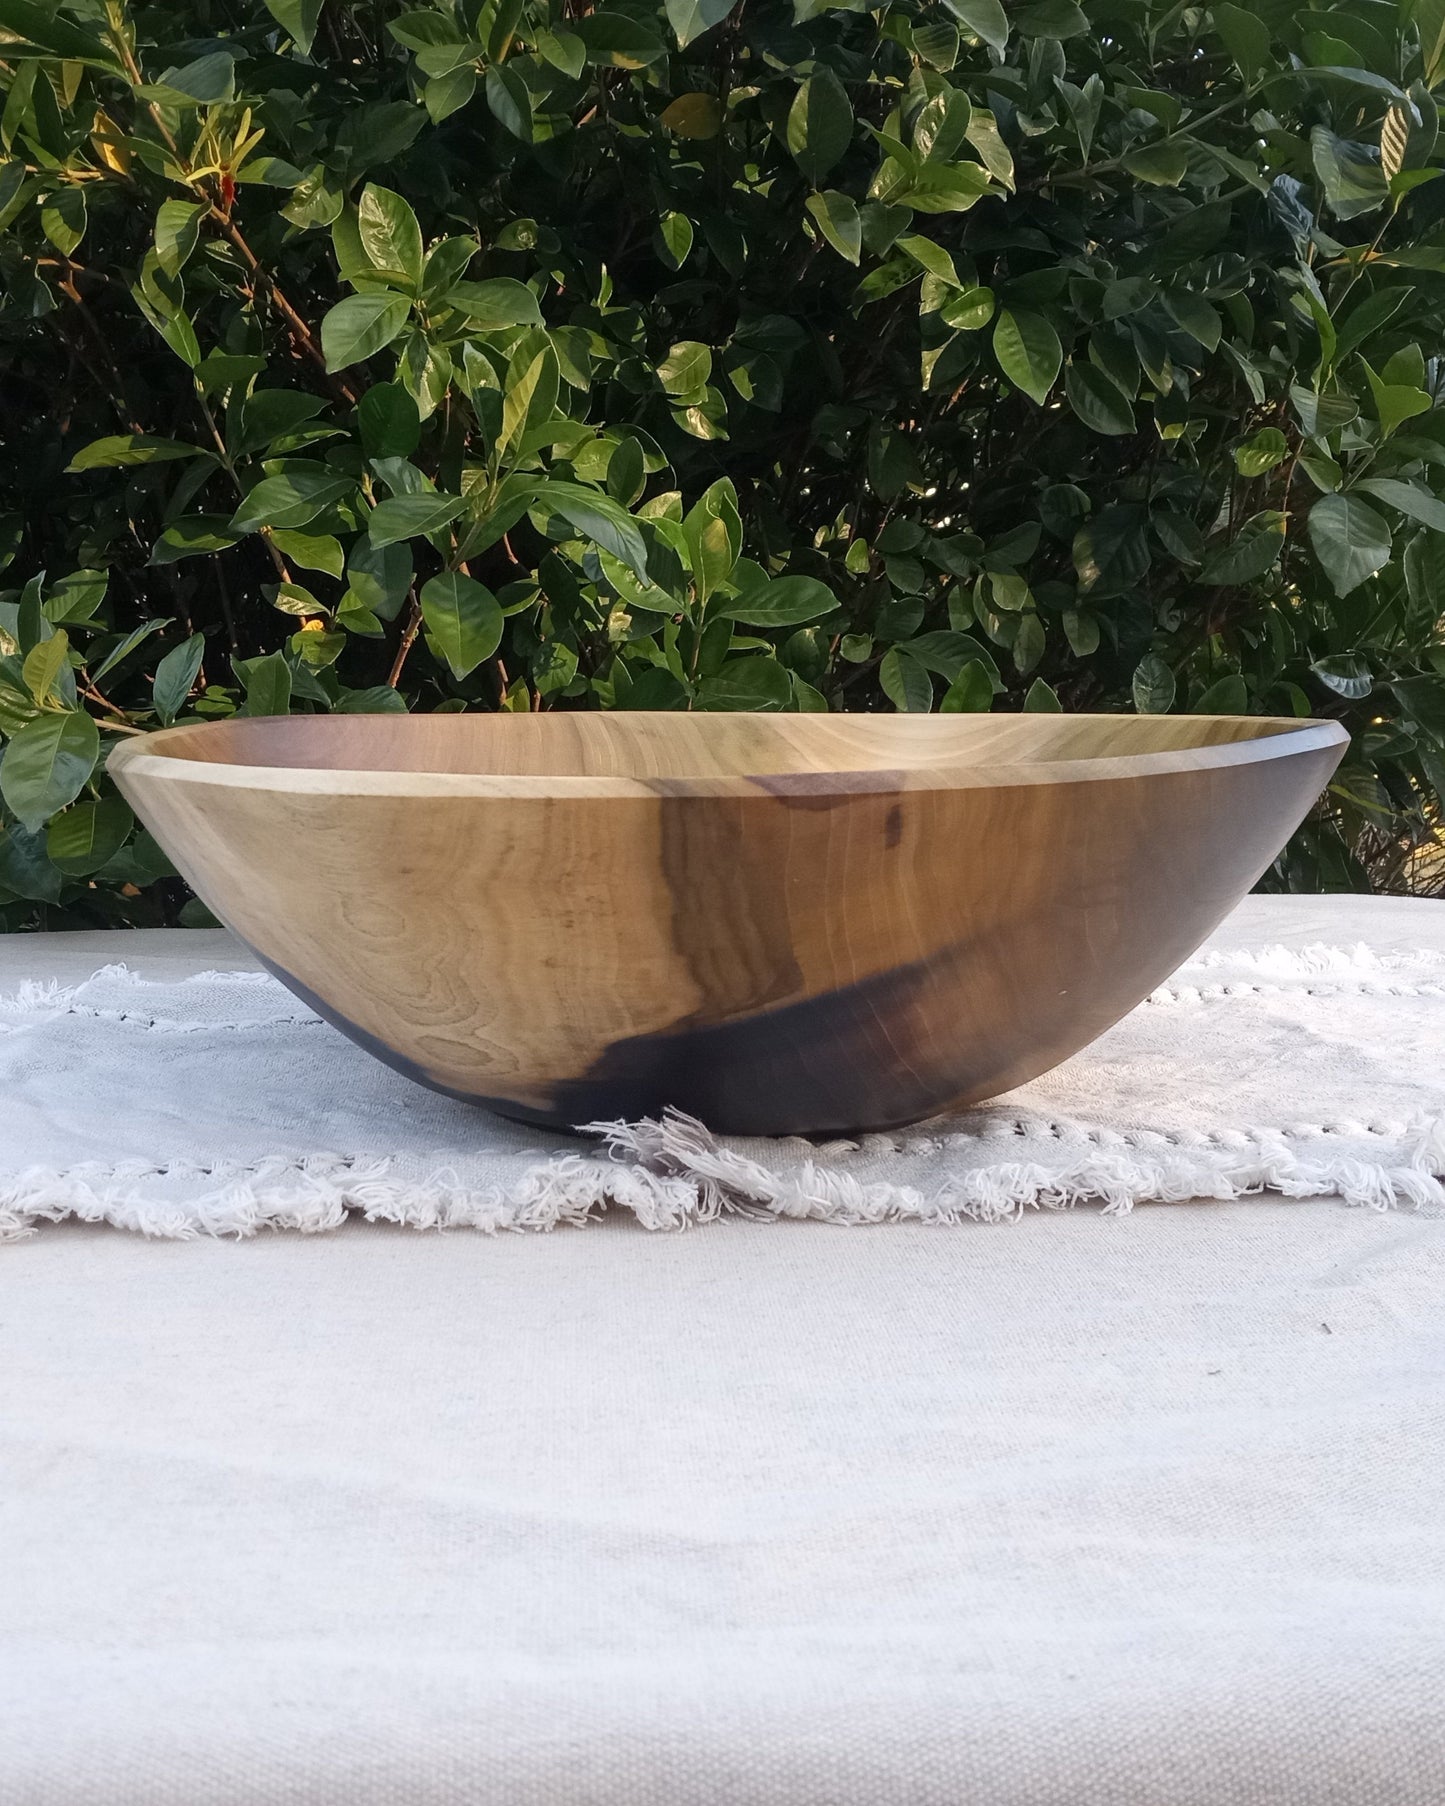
[
  {"x": 224, "y": 592},
  {"x": 408, "y": 636},
  {"x": 228, "y": 465},
  {"x": 1110, "y": 164},
  {"x": 301, "y": 334},
  {"x": 107, "y": 374},
  {"x": 120, "y": 725}
]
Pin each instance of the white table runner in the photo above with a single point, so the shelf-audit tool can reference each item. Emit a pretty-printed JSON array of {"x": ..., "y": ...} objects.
[{"x": 216, "y": 1103}]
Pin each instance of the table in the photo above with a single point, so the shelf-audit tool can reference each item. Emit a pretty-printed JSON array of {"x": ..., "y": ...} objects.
[{"x": 1079, "y": 1510}]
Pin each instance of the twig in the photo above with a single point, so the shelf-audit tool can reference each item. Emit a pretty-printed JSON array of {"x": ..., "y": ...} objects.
[
  {"x": 301, "y": 333},
  {"x": 408, "y": 636}
]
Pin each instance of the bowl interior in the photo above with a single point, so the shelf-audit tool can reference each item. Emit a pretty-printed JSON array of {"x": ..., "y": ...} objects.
[{"x": 619, "y": 745}]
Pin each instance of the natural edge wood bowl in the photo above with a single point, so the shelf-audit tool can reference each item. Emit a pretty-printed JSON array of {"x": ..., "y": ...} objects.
[{"x": 779, "y": 923}]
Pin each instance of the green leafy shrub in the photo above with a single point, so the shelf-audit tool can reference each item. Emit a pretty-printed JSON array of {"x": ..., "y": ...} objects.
[{"x": 524, "y": 354}]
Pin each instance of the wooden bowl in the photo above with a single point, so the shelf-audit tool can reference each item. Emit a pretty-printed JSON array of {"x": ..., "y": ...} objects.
[{"x": 780, "y": 923}]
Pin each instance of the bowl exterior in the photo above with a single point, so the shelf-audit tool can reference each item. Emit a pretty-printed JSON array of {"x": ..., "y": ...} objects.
[{"x": 782, "y": 960}]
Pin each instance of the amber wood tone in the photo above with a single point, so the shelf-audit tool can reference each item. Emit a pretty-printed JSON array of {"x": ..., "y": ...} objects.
[{"x": 780, "y": 923}]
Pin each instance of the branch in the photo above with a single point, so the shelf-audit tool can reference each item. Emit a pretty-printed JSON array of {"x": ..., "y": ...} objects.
[
  {"x": 301, "y": 333},
  {"x": 408, "y": 636}
]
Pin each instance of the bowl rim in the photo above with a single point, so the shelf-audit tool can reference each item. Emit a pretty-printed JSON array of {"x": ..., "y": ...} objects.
[{"x": 1278, "y": 736}]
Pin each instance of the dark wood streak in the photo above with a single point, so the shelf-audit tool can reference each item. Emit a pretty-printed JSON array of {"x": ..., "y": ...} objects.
[
  {"x": 827, "y": 790},
  {"x": 822, "y": 1064}
]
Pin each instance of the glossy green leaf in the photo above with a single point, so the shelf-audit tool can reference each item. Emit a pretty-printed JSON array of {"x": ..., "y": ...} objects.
[
  {"x": 178, "y": 232},
  {"x": 126, "y": 645},
  {"x": 780, "y": 602},
  {"x": 268, "y": 683},
  {"x": 360, "y": 326},
  {"x": 986, "y": 19},
  {"x": 1164, "y": 164},
  {"x": 175, "y": 674},
  {"x": 192, "y": 536},
  {"x": 63, "y": 219},
  {"x": 202, "y": 82},
  {"x": 38, "y": 26},
  {"x": 376, "y": 699},
  {"x": 931, "y": 256},
  {"x": 378, "y": 577},
  {"x": 971, "y": 692},
  {"x": 77, "y": 596},
  {"x": 1261, "y": 453},
  {"x": 1346, "y": 673},
  {"x": 1049, "y": 19},
  {"x": 905, "y": 682},
  {"x": 1101, "y": 407},
  {"x": 510, "y": 101},
  {"x": 970, "y": 310},
  {"x": 712, "y": 531},
  {"x": 839, "y": 221},
  {"x": 676, "y": 234},
  {"x": 290, "y": 500},
  {"x": 389, "y": 422},
  {"x": 1028, "y": 351},
  {"x": 1246, "y": 37},
  {"x": 499, "y": 302},
  {"x": 390, "y": 237},
  {"x": 1423, "y": 702},
  {"x": 820, "y": 124},
  {"x": 88, "y": 835},
  {"x": 691, "y": 18},
  {"x": 1248, "y": 554},
  {"x": 410, "y": 516},
  {"x": 1411, "y": 499},
  {"x": 1394, "y": 403},
  {"x": 520, "y": 399},
  {"x": 598, "y": 518},
  {"x": 686, "y": 368},
  {"x": 946, "y": 654},
  {"x": 747, "y": 683},
  {"x": 464, "y": 618},
  {"x": 1350, "y": 174},
  {"x": 46, "y": 764},
  {"x": 446, "y": 94},
  {"x": 1226, "y": 696},
  {"x": 124, "y": 450},
  {"x": 298, "y": 19},
  {"x": 311, "y": 551},
  {"x": 1153, "y": 686},
  {"x": 1350, "y": 540},
  {"x": 43, "y": 665},
  {"x": 616, "y": 40}
]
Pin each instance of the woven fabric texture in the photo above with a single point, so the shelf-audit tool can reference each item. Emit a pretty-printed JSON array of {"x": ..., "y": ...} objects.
[{"x": 216, "y": 1103}]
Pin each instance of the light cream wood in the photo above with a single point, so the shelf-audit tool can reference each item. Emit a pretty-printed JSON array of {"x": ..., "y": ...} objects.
[{"x": 782, "y": 923}]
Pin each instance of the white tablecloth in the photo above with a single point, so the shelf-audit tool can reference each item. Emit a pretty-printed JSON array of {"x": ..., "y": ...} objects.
[{"x": 1071, "y": 1512}]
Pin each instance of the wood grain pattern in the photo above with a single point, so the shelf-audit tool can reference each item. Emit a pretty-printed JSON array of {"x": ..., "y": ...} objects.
[{"x": 781, "y": 923}]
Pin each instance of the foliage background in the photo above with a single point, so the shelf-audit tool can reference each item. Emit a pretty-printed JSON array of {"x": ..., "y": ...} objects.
[{"x": 777, "y": 354}]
